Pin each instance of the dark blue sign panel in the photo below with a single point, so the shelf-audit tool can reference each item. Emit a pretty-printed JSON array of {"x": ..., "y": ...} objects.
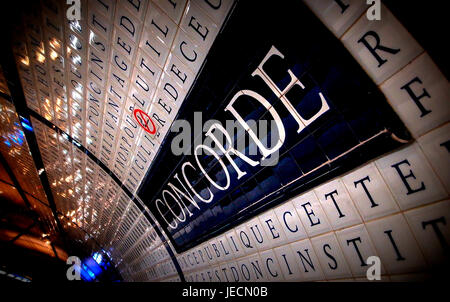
[{"x": 303, "y": 111}]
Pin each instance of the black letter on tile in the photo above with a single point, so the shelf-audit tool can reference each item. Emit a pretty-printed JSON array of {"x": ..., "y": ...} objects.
[
  {"x": 197, "y": 28},
  {"x": 261, "y": 240},
  {"x": 436, "y": 229},
  {"x": 416, "y": 98},
  {"x": 310, "y": 263},
  {"x": 268, "y": 268},
  {"x": 399, "y": 256},
  {"x": 130, "y": 29},
  {"x": 285, "y": 222},
  {"x": 159, "y": 28},
  {"x": 330, "y": 256},
  {"x": 272, "y": 228},
  {"x": 287, "y": 264},
  {"x": 215, "y": 7},
  {"x": 404, "y": 177},
  {"x": 310, "y": 214},
  {"x": 334, "y": 201},
  {"x": 224, "y": 249},
  {"x": 353, "y": 241},
  {"x": 373, "y": 50},
  {"x": 342, "y": 5},
  {"x": 246, "y": 244},
  {"x": 361, "y": 181}
]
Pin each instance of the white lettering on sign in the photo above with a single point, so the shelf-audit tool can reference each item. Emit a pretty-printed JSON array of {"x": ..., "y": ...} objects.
[{"x": 178, "y": 192}]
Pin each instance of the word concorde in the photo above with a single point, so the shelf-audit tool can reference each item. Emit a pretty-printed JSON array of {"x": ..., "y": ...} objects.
[{"x": 180, "y": 193}]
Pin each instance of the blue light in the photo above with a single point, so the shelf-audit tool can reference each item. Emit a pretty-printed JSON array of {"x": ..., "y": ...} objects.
[
  {"x": 85, "y": 270},
  {"x": 25, "y": 119},
  {"x": 26, "y": 126}
]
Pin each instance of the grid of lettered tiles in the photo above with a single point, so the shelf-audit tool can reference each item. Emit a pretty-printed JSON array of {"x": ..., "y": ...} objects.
[
  {"x": 394, "y": 207},
  {"x": 88, "y": 76}
]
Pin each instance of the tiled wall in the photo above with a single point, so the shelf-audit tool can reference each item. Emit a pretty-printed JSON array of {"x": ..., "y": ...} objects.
[
  {"x": 87, "y": 77},
  {"x": 396, "y": 207}
]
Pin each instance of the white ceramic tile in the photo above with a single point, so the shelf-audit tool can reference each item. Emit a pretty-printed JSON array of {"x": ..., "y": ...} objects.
[
  {"x": 395, "y": 244},
  {"x": 246, "y": 240},
  {"x": 166, "y": 106},
  {"x": 269, "y": 260},
  {"x": 148, "y": 68},
  {"x": 311, "y": 214},
  {"x": 290, "y": 222},
  {"x": 233, "y": 271},
  {"x": 199, "y": 26},
  {"x": 171, "y": 90},
  {"x": 258, "y": 234},
  {"x": 330, "y": 256},
  {"x": 225, "y": 248},
  {"x": 203, "y": 276},
  {"x": 389, "y": 33},
  {"x": 208, "y": 253},
  {"x": 431, "y": 227},
  {"x": 435, "y": 146},
  {"x": 357, "y": 247},
  {"x": 136, "y": 8},
  {"x": 160, "y": 24},
  {"x": 410, "y": 177},
  {"x": 154, "y": 48},
  {"x": 161, "y": 120},
  {"x": 224, "y": 273},
  {"x": 369, "y": 192},
  {"x": 174, "y": 9},
  {"x": 257, "y": 269},
  {"x": 188, "y": 51},
  {"x": 337, "y": 204},
  {"x": 179, "y": 72},
  {"x": 190, "y": 260},
  {"x": 235, "y": 244},
  {"x": 419, "y": 93},
  {"x": 244, "y": 269},
  {"x": 216, "y": 250},
  {"x": 121, "y": 64},
  {"x": 273, "y": 228},
  {"x": 287, "y": 262},
  {"x": 98, "y": 42},
  {"x": 216, "y": 274},
  {"x": 105, "y": 7},
  {"x": 124, "y": 45},
  {"x": 338, "y": 16},
  {"x": 216, "y": 10},
  {"x": 99, "y": 24},
  {"x": 128, "y": 23},
  {"x": 140, "y": 97},
  {"x": 307, "y": 260}
]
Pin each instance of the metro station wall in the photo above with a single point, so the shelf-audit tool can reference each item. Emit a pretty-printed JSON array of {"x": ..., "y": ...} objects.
[
  {"x": 400, "y": 215},
  {"x": 83, "y": 78}
]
